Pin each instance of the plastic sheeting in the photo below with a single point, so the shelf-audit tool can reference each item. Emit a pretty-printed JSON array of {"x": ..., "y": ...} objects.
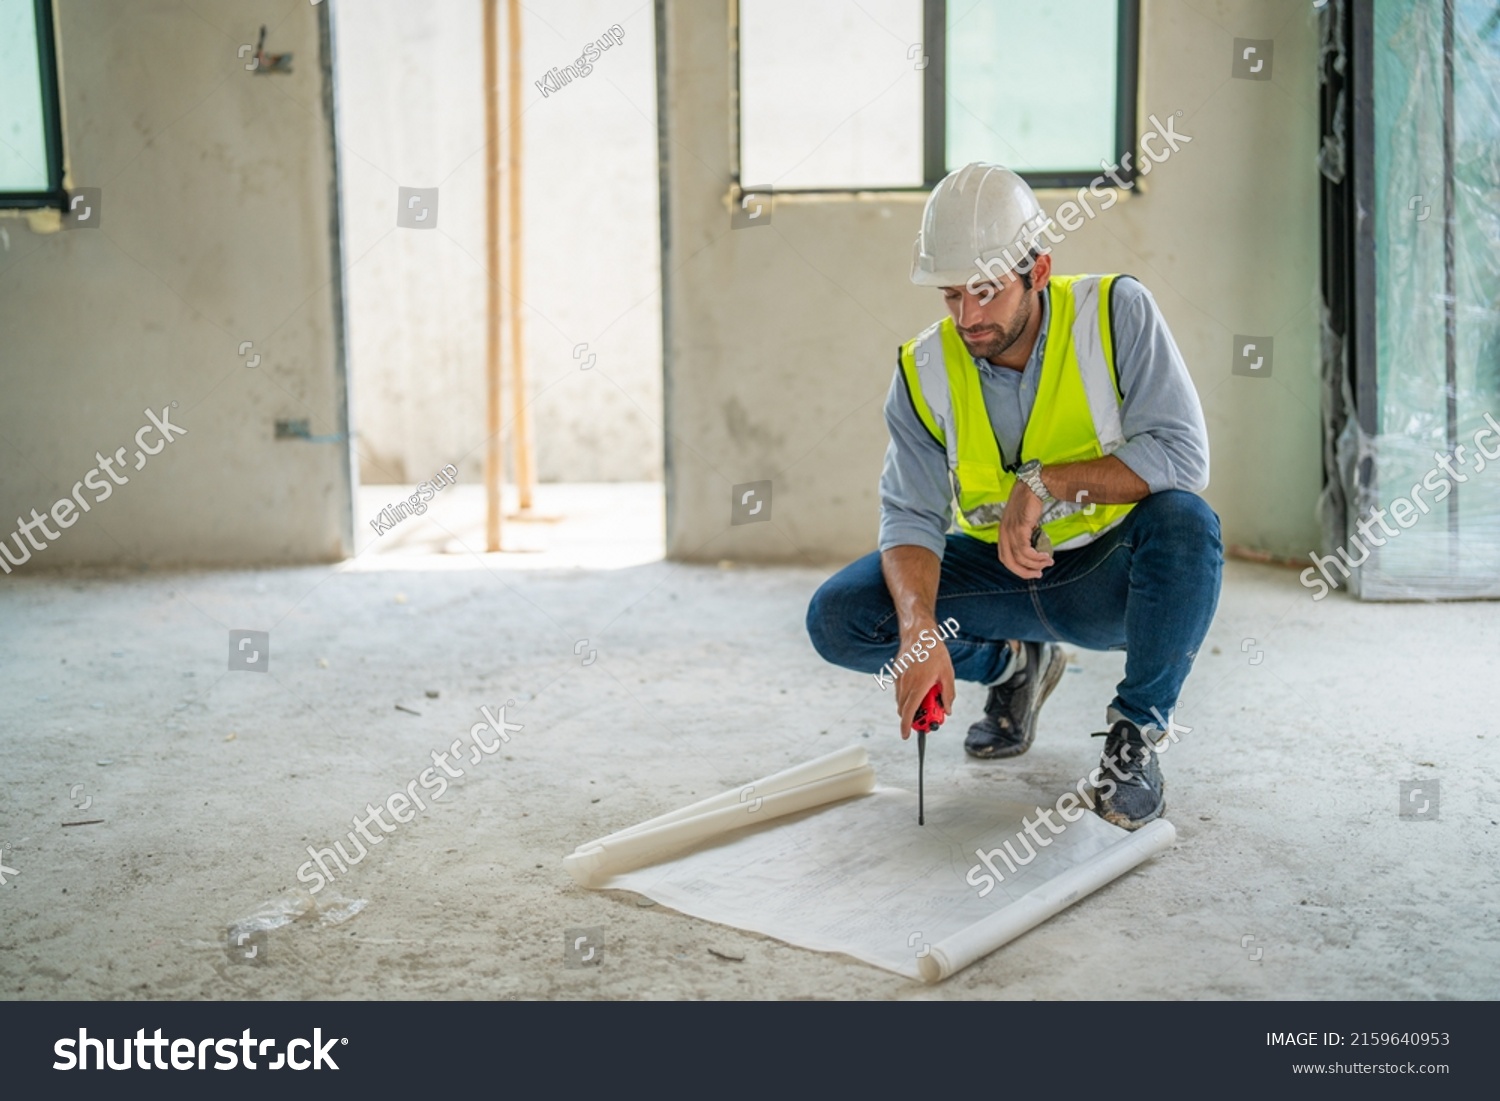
[{"x": 1419, "y": 498}]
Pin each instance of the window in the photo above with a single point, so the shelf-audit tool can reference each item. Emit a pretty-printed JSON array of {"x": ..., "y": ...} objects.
[
  {"x": 1044, "y": 89},
  {"x": 30, "y": 131},
  {"x": 829, "y": 98},
  {"x": 883, "y": 94}
]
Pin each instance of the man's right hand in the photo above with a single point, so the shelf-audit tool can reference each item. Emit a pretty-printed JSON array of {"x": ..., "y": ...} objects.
[
  {"x": 1023, "y": 513},
  {"x": 913, "y": 685},
  {"x": 911, "y": 574}
]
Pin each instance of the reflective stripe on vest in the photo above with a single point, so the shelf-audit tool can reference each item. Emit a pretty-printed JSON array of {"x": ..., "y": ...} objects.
[{"x": 1075, "y": 417}]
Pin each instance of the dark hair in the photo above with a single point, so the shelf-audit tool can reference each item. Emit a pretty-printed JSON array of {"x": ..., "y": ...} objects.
[{"x": 1023, "y": 269}]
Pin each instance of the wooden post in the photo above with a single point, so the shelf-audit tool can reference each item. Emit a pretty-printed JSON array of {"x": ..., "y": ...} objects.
[
  {"x": 494, "y": 452},
  {"x": 525, "y": 456}
]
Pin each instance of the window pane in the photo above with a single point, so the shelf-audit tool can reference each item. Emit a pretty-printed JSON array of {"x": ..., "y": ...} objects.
[
  {"x": 830, "y": 96},
  {"x": 23, "y": 147},
  {"x": 1032, "y": 86}
]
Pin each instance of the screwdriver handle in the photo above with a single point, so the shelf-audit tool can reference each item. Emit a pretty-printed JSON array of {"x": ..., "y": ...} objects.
[{"x": 930, "y": 714}]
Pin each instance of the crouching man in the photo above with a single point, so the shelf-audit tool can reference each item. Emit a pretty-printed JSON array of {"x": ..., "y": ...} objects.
[{"x": 1053, "y": 419}]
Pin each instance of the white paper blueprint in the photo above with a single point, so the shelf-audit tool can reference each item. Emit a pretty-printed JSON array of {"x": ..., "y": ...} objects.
[{"x": 860, "y": 877}]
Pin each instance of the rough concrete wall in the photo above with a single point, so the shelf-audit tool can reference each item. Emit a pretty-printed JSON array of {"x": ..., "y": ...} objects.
[
  {"x": 781, "y": 340},
  {"x": 412, "y": 115},
  {"x": 214, "y": 229}
]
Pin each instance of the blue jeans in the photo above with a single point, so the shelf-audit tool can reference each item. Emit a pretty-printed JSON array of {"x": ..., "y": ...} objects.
[{"x": 1149, "y": 586}]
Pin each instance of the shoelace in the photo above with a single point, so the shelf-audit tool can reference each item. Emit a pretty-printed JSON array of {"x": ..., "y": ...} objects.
[{"x": 1138, "y": 758}]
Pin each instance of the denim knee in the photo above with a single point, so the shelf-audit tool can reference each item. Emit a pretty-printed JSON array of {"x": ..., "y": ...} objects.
[
  {"x": 824, "y": 619},
  {"x": 841, "y": 614},
  {"x": 1178, "y": 512}
]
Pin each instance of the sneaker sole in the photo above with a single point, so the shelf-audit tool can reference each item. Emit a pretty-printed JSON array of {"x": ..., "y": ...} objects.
[
  {"x": 1050, "y": 680},
  {"x": 1136, "y": 823}
]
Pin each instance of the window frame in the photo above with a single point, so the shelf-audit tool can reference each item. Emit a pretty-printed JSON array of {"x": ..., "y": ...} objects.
[
  {"x": 934, "y": 137},
  {"x": 54, "y": 195}
]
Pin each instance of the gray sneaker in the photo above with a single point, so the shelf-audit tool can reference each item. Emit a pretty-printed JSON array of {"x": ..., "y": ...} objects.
[
  {"x": 1009, "y": 723},
  {"x": 1131, "y": 790}
]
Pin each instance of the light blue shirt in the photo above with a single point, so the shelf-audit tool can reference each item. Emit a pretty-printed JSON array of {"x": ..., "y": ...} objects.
[{"x": 1166, "y": 440}]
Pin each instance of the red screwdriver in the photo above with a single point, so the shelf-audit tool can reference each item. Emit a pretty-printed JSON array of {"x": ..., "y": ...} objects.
[{"x": 929, "y": 716}]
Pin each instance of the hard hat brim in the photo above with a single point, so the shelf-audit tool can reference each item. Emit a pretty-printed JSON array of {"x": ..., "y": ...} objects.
[{"x": 999, "y": 262}]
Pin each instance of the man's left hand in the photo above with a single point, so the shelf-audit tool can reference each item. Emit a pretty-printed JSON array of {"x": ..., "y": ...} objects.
[{"x": 1022, "y": 513}]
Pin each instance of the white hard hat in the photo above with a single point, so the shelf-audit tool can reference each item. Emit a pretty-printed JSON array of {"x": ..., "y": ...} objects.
[{"x": 981, "y": 219}]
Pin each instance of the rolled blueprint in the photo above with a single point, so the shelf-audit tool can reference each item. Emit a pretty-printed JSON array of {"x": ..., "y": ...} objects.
[
  {"x": 828, "y": 779},
  {"x": 980, "y": 939}
]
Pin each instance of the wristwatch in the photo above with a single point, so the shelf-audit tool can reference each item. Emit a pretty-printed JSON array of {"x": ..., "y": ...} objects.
[{"x": 1030, "y": 472}]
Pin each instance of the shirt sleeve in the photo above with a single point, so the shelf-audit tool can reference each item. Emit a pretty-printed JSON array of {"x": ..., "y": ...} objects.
[
  {"x": 916, "y": 499},
  {"x": 1166, "y": 439}
]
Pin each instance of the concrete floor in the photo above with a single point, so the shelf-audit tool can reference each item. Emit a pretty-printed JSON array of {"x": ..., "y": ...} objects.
[{"x": 1304, "y": 718}]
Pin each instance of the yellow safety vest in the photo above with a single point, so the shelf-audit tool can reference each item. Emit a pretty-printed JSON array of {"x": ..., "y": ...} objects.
[{"x": 1076, "y": 416}]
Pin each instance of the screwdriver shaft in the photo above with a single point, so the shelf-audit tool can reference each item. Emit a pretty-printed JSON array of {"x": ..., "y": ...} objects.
[{"x": 921, "y": 768}]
